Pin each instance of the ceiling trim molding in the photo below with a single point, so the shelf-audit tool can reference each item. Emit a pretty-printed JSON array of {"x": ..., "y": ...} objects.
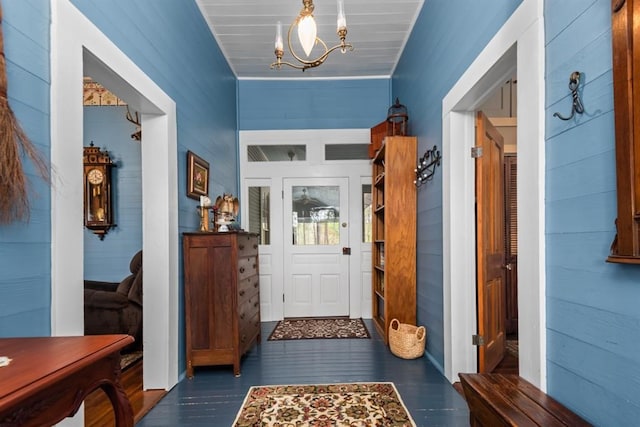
[{"x": 381, "y": 77}]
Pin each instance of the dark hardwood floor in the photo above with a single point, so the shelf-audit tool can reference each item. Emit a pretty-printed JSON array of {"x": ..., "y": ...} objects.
[{"x": 214, "y": 396}]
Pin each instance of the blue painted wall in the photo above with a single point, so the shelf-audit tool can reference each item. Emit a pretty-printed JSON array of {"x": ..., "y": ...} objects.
[
  {"x": 161, "y": 36},
  {"x": 109, "y": 259},
  {"x": 442, "y": 45},
  {"x": 312, "y": 104},
  {"x": 593, "y": 324},
  {"x": 25, "y": 261},
  {"x": 592, "y": 316},
  {"x": 204, "y": 91},
  {"x": 205, "y": 95},
  {"x": 593, "y": 321}
]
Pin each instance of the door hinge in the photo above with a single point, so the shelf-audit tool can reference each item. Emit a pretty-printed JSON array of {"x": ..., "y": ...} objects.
[
  {"x": 477, "y": 340},
  {"x": 282, "y": 297},
  {"x": 476, "y": 152},
  {"x": 282, "y": 194}
]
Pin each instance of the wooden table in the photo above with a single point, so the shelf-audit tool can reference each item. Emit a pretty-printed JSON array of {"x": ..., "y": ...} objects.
[{"x": 48, "y": 378}]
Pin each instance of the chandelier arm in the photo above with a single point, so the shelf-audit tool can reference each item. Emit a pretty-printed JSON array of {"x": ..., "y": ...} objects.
[
  {"x": 320, "y": 59},
  {"x": 279, "y": 64},
  {"x": 311, "y": 64},
  {"x": 325, "y": 55}
]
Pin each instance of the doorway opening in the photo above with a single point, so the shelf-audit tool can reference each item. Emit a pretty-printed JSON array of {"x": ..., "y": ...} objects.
[
  {"x": 79, "y": 48},
  {"x": 297, "y": 172},
  {"x": 518, "y": 44}
]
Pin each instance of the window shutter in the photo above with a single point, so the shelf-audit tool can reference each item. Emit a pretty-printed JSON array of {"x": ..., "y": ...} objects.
[{"x": 511, "y": 205}]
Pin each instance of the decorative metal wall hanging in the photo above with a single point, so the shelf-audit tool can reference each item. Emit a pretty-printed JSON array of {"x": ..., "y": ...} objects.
[
  {"x": 577, "y": 107},
  {"x": 427, "y": 166}
]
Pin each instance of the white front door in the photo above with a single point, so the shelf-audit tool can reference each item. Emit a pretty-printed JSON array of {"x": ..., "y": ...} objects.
[{"x": 316, "y": 271}]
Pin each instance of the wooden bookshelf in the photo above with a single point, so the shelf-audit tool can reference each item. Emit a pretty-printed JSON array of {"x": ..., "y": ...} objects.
[{"x": 394, "y": 233}]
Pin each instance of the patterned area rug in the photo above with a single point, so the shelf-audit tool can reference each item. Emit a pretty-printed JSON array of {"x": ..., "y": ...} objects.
[
  {"x": 313, "y": 328},
  {"x": 329, "y": 405}
]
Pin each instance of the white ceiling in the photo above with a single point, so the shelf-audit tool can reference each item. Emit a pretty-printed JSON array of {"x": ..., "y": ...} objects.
[{"x": 377, "y": 29}]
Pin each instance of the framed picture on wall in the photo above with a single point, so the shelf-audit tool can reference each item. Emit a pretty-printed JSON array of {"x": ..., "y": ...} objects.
[{"x": 197, "y": 176}]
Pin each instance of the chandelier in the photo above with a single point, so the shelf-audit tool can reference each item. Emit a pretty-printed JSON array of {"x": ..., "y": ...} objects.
[{"x": 307, "y": 31}]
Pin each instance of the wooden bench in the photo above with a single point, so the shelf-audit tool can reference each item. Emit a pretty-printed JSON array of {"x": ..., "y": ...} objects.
[{"x": 509, "y": 400}]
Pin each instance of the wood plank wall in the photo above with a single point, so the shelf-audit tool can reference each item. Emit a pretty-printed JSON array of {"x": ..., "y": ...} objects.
[
  {"x": 108, "y": 259},
  {"x": 162, "y": 40},
  {"x": 593, "y": 324},
  {"x": 442, "y": 45},
  {"x": 312, "y": 104},
  {"x": 25, "y": 247}
]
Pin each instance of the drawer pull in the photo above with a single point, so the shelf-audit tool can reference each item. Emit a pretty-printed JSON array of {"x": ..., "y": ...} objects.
[{"x": 241, "y": 269}]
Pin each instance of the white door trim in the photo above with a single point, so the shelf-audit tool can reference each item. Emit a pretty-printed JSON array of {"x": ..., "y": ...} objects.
[
  {"x": 76, "y": 43},
  {"x": 521, "y": 40}
]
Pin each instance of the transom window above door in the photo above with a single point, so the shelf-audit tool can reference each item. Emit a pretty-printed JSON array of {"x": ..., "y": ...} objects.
[
  {"x": 277, "y": 153},
  {"x": 325, "y": 152}
]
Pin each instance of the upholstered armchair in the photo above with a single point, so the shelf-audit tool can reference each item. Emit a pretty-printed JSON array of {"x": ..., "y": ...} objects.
[{"x": 115, "y": 308}]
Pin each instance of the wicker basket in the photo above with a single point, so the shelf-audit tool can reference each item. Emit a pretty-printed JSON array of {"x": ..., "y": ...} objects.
[{"x": 406, "y": 341}]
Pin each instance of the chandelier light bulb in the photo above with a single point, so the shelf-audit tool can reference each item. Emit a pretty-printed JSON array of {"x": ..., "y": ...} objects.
[
  {"x": 279, "y": 43},
  {"x": 307, "y": 32},
  {"x": 342, "y": 20}
]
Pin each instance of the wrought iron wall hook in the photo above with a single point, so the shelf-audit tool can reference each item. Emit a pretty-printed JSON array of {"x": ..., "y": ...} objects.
[
  {"x": 577, "y": 107},
  {"x": 427, "y": 166}
]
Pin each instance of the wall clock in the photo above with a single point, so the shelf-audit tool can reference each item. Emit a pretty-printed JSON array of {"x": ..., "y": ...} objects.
[{"x": 98, "y": 198}]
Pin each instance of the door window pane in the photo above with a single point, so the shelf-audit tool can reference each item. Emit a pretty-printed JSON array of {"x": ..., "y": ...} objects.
[
  {"x": 316, "y": 216},
  {"x": 366, "y": 213},
  {"x": 259, "y": 199}
]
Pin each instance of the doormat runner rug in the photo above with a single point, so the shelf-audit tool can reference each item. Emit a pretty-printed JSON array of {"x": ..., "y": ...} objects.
[
  {"x": 128, "y": 359},
  {"x": 313, "y": 328},
  {"x": 328, "y": 405},
  {"x": 512, "y": 347}
]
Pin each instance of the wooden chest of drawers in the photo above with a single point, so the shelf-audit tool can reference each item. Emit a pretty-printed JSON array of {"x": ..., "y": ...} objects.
[{"x": 222, "y": 298}]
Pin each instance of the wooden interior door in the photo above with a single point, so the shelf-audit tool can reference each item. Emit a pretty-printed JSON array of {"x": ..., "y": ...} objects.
[{"x": 490, "y": 244}]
